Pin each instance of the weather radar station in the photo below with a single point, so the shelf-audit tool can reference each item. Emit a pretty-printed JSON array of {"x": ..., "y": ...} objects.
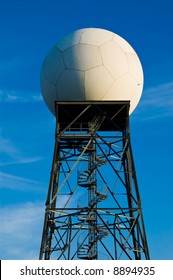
[{"x": 92, "y": 80}]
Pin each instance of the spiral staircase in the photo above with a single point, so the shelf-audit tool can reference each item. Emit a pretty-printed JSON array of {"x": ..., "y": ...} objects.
[{"x": 94, "y": 231}]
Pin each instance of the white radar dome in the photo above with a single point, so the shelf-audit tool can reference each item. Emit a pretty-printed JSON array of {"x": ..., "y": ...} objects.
[{"x": 91, "y": 64}]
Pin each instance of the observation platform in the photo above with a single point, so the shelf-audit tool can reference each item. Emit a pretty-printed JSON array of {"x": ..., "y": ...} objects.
[{"x": 77, "y": 115}]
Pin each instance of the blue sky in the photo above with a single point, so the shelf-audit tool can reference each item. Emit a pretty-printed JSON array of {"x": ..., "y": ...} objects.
[{"x": 28, "y": 30}]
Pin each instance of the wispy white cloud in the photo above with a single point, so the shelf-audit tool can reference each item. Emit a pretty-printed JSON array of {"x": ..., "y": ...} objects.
[
  {"x": 11, "y": 96},
  {"x": 159, "y": 96},
  {"x": 6, "y": 146},
  {"x": 13, "y": 182},
  {"x": 11, "y": 155},
  {"x": 20, "y": 231},
  {"x": 156, "y": 102},
  {"x": 20, "y": 160}
]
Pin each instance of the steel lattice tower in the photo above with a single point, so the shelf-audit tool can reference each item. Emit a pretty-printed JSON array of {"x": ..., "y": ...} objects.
[{"x": 93, "y": 206}]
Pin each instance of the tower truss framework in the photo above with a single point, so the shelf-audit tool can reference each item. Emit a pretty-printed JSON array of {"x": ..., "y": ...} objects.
[{"x": 93, "y": 206}]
